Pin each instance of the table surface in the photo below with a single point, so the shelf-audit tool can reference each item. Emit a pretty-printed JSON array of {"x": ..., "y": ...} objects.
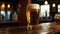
[{"x": 32, "y": 29}]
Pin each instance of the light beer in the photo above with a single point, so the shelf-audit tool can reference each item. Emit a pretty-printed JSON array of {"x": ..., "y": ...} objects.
[{"x": 32, "y": 13}]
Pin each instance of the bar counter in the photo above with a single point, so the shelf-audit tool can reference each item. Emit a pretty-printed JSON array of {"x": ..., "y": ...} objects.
[{"x": 5, "y": 24}]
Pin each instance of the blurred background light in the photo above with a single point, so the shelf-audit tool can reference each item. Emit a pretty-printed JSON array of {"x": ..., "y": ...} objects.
[
  {"x": 8, "y": 6},
  {"x": 46, "y": 2},
  {"x": 53, "y": 5}
]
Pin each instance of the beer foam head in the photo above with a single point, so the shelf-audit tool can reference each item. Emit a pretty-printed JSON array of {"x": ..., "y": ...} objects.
[{"x": 33, "y": 6}]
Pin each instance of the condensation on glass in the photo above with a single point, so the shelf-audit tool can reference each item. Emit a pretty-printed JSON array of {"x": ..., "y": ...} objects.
[{"x": 32, "y": 13}]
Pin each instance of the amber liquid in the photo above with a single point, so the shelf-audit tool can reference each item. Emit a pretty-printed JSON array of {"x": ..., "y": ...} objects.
[{"x": 33, "y": 16}]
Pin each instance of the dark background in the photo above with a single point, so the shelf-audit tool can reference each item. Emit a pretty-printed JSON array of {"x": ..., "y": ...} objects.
[{"x": 15, "y": 3}]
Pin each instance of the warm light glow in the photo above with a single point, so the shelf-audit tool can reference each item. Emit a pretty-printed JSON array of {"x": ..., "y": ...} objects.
[
  {"x": 29, "y": 27},
  {"x": 19, "y": 5},
  {"x": 8, "y": 6},
  {"x": 53, "y": 5},
  {"x": 3, "y": 5},
  {"x": 46, "y": 2},
  {"x": 43, "y": 32},
  {"x": 28, "y": 17}
]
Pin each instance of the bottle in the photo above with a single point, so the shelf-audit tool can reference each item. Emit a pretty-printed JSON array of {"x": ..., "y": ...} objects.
[
  {"x": 8, "y": 15},
  {"x": 14, "y": 16}
]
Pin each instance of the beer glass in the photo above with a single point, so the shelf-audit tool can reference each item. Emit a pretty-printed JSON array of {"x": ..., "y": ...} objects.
[{"x": 32, "y": 13}]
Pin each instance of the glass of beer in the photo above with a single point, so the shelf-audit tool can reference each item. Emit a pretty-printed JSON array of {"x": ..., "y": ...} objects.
[{"x": 32, "y": 13}]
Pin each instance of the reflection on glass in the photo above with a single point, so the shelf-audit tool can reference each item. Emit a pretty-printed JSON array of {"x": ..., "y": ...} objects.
[{"x": 28, "y": 17}]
